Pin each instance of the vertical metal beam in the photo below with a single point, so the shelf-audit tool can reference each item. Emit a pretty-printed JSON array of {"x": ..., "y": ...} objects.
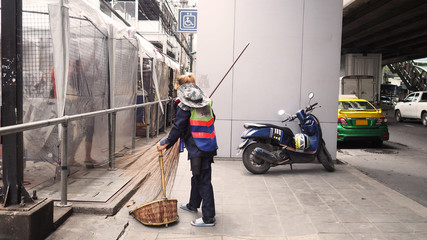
[
  {"x": 64, "y": 166},
  {"x": 111, "y": 100},
  {"x": 148, "y": 123},
  {"x": 136, "y": 15},
  {"x": 134, "y": 130},
  {"x": 166, "y": 116},
  {"x": 113, "y": 142},
  {"x": 157, "y": 118},
  {"x": 12, "y": 100},
  {"x": 172, "y": 102}
]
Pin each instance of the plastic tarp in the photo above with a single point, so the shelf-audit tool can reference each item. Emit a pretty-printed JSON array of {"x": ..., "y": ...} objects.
[
  {"x": 69, "y": 51},
  {"x": 125, "y": 75},
  {"x": 60, "y": 43},
  {"x": 146, "y": 48},
  {"x": 57, "y": 84}
]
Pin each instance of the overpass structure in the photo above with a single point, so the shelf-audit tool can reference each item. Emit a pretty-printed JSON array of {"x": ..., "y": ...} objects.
[{"x": 396, "y": 29}]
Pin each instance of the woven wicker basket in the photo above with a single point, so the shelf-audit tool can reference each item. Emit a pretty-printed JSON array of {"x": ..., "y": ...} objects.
[{"x": 160, "y": 212}]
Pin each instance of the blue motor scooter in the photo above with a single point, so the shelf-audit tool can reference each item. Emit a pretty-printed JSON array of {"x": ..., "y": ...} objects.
[{"x": 268, "y": 145}]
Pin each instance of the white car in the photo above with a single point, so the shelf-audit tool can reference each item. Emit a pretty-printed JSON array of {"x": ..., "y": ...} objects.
[{"x": 414, "y": 106}]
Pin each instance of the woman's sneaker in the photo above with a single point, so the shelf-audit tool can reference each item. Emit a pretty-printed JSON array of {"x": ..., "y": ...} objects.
[
  {"x": 188, "y": 208},
  {"x": 201, "y": 223}
]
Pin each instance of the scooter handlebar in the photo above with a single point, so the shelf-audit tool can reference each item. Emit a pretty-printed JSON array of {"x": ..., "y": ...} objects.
[
  {"x": 311, "y": 107},
  {"x": 307, "y": 109},
  {"x": 290, "y": 118}
]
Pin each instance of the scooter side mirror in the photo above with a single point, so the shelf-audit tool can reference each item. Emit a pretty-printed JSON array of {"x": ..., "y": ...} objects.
[
  {"x": 281, "y": 112},
  {"x": 311, "y": 95}
]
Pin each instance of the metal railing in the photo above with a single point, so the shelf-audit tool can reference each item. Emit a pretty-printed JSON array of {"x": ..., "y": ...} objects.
[{"x": 112, "y": 134}]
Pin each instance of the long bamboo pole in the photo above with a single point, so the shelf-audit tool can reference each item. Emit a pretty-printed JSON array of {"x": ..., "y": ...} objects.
[{"x": 229, "y": 69}]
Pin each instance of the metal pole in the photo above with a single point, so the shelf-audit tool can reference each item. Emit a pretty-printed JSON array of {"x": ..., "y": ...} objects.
[
  {"x": 166, "y": 116},
  {"x": 136, "y": 15},
  {"x": 172, "y": 111},
  {"x": 148, "y": 123},
  {"x": 134, "y": 131},
  {"x": 111, "y": 98},
  {"x": 64, "y": 166},
  {"x": 157, "y": 119},
  {"x": 113, "y": 141},
  {"x": 12, "y": 101},
  {"x": 5, "y": 130}
]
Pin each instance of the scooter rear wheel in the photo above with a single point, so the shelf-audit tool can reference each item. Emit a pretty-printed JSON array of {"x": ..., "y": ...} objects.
[
  {"x": 325, "y": 158},
  {"x": 255, "y": 166}
]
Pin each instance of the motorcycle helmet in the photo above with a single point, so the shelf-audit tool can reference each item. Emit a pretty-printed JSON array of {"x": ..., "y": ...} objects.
[{"x": 302, "y": 141}]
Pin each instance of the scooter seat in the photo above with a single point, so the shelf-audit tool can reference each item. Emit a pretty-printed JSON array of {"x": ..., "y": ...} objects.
[{"x": 287, "y": 130}]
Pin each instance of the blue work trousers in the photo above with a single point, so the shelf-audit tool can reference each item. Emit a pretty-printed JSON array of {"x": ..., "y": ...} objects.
[{"x": 202, "y": 192}]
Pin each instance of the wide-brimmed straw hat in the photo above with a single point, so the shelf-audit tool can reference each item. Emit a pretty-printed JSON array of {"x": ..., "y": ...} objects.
[{"x": 192, "y": 96}]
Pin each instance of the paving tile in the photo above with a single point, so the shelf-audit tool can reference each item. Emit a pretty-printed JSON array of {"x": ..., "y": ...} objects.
[
  {"x": 304, "y": 237},
  {"x": 309, "y": 199},
  {"x": 235, "y": 208},
  {"x": 137, "y": 235},
  {"x": 381, "y": 218},
  {"x": 406, "y": 236},
  {"x": 297, "y": 225},
  {"x": 361, "y": 227},
  {"x": 326, "y": 217},
  {"x": 241, "y": 223},
  {"x": 253, "y": 238},
  {"x": 260, "y": 200},
  {"x": 394, "y": 227},
  {"x": 325, "y": 227},
  {"x": 263, "y": 209},
  {"x": 336, "y": 236},
  {"x": 409, "y": 217},
  {"x": 267, "y": 225},
  {"x": 369, "y": 209},
  {"x": 332, "y": 199},
  {"x": 419, "y": 227},
  {"x": 370, "y": 236},
  {"x": 349, "y": 215},
  {"x": 240, "y": 199},
  {"x": 162, "y": 236}
]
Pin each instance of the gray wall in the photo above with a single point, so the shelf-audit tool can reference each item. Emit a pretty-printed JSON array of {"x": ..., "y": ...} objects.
[{"x": 294, "y": 49}]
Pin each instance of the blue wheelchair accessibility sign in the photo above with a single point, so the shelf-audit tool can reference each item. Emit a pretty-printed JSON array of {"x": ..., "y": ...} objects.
[{"x": 187, "y": 20}]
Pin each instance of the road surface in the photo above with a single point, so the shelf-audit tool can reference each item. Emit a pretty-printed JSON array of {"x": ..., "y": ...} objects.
[{"x": 400, "y": 164}]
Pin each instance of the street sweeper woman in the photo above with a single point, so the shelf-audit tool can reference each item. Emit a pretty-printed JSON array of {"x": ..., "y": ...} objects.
[{"x": 194, "y": 123}]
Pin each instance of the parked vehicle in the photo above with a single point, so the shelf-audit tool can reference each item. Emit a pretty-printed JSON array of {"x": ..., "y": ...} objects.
[
  {"x": 414, "y": 106},
  {"x": 358, "y": 119},
  {"x": 388, "y": 100},
  {"x": 268, "y": 145},
  {"x": 363, "y": 86},
  {"x": 391, "y": 92}
]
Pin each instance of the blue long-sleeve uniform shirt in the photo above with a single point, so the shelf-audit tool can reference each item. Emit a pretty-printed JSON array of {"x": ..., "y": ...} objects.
[{"x": 182, "y": 129}]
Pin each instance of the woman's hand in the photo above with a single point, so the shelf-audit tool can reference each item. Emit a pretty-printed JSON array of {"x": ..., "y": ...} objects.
[{"x": 161, "y": 147}]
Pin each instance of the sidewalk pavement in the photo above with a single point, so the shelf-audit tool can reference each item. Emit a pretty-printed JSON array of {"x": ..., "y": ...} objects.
[{"x": 307, "y": 203}]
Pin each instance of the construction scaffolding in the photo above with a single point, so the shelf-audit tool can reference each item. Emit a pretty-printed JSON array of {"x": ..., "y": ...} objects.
[{"x": 78, "y": 60}]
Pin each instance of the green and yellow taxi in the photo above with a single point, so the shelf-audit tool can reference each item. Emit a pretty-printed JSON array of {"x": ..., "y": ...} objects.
[{"x": 358, "y": 119}]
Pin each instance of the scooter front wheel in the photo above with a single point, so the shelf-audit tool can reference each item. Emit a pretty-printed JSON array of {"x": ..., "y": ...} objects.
[
  {"x": 252, "y": 164},
  {"x": 325, "y": 158}
]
